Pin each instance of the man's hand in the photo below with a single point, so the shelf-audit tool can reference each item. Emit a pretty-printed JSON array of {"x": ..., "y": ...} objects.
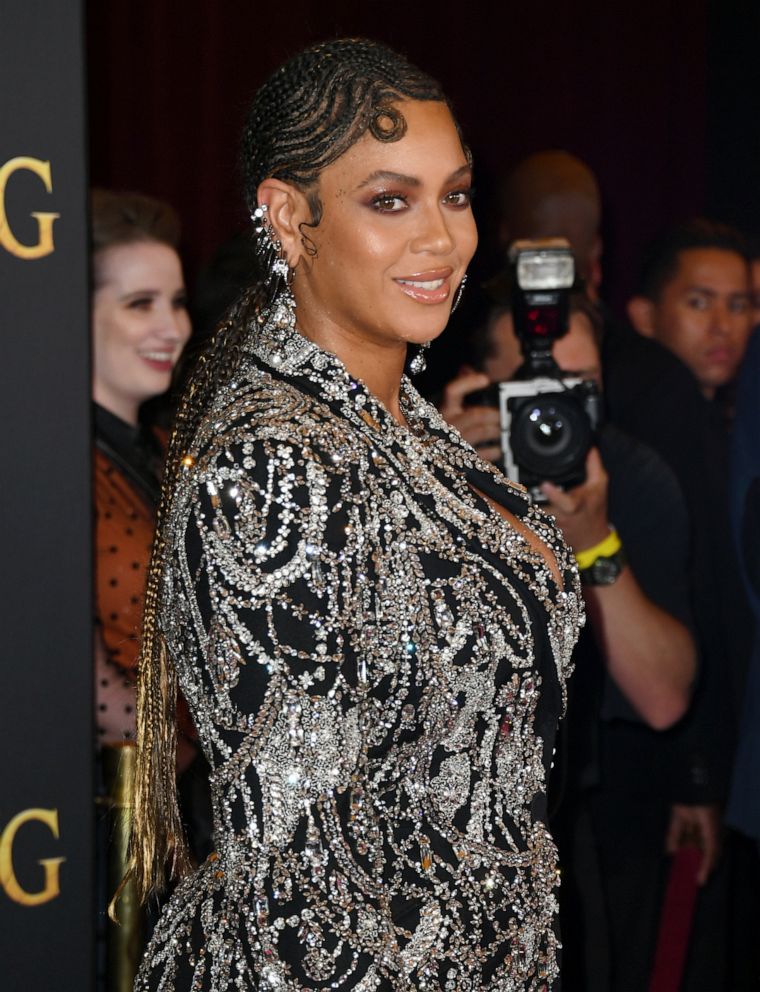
[
  {"x": 649, "y": 654},
  {"x": 697, "y": 825},
  {"x": 480, "y": 425},
  {"x": 582, "y": 512}
]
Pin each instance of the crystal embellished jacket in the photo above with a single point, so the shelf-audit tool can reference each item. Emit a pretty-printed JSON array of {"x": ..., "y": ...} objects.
[{"x": 376, "y": 663}]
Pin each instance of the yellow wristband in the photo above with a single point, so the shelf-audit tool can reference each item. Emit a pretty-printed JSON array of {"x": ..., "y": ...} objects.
[{"x": 604, "y": 549}]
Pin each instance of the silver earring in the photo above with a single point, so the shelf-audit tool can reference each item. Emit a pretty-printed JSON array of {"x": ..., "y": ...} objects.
[
  {"x": 268, "y": 248},
  {"x": 418, "y": 363},
  {"x": 280, "y": 309},
  {"x": 460, "y": 290}
]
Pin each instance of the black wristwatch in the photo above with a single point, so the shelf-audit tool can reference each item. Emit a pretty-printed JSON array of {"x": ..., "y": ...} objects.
[{"x": 605, "y": 569}]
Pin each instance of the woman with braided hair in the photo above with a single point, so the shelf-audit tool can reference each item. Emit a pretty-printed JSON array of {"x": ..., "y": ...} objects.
[{"x": 372, "y": 626}]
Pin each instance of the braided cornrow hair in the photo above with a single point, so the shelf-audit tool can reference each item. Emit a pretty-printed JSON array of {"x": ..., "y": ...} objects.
[{"x": 308, "y": 114}]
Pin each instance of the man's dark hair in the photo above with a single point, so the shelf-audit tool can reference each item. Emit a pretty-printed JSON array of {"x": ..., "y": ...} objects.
[
  {"x": 660, "y": 261},
  {"x": 553, "y": 194},
  {"x": 753, "y": 247}
]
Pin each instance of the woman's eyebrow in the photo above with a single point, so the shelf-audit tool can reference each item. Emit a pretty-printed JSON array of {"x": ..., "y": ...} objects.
[
  {"x": 140, "y": 292},
  {"x": 389, "y": 177},
  {"x": 464, "y": 170},
  {"x": 384, "y": 176}
]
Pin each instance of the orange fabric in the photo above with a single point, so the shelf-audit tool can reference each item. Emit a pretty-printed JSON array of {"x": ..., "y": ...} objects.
[{"x": 124, "y": 525}]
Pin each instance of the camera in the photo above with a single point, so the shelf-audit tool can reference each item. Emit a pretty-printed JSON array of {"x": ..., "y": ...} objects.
[{"x": 548, "y": 419}]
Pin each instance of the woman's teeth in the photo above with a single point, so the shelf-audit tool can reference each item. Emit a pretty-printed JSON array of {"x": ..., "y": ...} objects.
[
  {"x": 433, "y": 284},
  {"x": 157, "y": 356}
]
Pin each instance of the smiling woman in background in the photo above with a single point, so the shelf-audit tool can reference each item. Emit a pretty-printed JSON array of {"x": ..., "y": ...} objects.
[
  {"x": 371, "y": 625},
  {"x": 139, "y": 327}
]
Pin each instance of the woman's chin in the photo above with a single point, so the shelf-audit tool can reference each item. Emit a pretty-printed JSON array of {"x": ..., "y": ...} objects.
[{"x": 424, "y": 333}]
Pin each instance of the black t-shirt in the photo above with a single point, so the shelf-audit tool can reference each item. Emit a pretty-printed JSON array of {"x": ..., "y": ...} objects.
[{"x": 604, "y": 741}]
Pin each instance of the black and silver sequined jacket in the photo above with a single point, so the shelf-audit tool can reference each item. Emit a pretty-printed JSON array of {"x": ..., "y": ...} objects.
[{"x": 376, "y": 664}]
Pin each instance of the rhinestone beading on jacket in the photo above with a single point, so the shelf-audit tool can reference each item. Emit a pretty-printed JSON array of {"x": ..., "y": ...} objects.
[{"x": 375, "y": 662}]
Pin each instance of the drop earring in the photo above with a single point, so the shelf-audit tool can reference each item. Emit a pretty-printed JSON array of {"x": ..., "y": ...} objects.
[
  {"x": 460, "y": 290},
  {"x": 269, "y": 250},
  {"x": 281, "y": 306},
  {"x": 418, "y": 363}
]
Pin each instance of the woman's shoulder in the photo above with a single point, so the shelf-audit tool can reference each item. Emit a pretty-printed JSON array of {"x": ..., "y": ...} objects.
[{"x": 262, "y": 414}]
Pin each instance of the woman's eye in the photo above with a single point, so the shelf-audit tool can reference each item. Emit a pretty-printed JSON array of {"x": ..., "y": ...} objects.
[
  {"x": 140, "y": 303},
  {"x": 180, "y": 302},
  {"x": 459, "y": 198},
  {"x": 388, "y": 203}
]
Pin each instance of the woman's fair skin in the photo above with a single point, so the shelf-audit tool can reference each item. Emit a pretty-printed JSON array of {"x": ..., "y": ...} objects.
[
  {"x": 392, "y": 246},
  {"x": 140, "y": 324}
]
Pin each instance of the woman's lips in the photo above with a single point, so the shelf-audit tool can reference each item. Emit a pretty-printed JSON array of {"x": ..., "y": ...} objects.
[
  {"x": 161, "y": 361},
  {"x": 427, "y": 287}
]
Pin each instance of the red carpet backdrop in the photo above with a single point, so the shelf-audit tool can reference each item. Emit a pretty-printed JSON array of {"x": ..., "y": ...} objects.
[
  {"x": 621, "y": 85},
  {"x": 46, "y": 797}
]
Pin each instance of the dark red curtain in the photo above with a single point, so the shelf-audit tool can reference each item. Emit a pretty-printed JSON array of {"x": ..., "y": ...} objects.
[{"x": 623, "y": 86}]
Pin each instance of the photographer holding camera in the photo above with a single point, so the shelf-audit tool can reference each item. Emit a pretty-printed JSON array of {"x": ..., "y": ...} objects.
[{"x": 622, "y": 511}]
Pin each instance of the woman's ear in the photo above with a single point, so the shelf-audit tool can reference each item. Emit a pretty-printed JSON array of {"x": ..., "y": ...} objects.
[
  {"x": 288, "y": 208},
  {"x": 641, "y": 315}
]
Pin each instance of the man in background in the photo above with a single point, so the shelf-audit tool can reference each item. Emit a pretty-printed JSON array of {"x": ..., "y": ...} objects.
[
  {"x": 549, "y": 194},
  {"x": 635, "y": 662},
  {"x": 653, "y": 395},
  {"x": 694, "y": 301},
  {"x": 693, "y": 308},
  {"x": 553, "y": 194}
]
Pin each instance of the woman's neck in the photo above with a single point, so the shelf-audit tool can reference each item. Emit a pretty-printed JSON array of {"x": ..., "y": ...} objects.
[
  {"x": 378, "y": 365},
  {"x": 120, "y": 407}
]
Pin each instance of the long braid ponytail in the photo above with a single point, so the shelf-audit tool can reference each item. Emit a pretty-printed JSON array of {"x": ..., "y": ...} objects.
[{"x": 158, "y": 842}]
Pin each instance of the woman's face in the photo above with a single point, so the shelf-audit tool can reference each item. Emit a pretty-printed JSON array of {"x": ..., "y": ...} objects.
[
  {"x": 395, "y": 238},
  {"x": 140, "y": 324}
]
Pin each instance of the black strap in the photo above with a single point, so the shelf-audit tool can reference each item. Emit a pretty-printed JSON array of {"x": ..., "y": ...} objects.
[{"x": 149, "y": 488}]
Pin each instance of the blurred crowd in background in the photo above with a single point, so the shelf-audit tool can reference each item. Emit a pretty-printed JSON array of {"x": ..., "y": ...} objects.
[{"x": 655, "y": 798}]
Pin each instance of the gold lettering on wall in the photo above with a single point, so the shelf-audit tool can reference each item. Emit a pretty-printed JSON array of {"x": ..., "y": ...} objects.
[
  {"x": 8, "y": 240},
  {"x": 50, "y": 866}
]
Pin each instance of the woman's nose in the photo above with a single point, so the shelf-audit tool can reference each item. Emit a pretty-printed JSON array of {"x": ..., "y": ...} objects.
[
  {"x": 174, "y": 324},
  {"x": 434, "y": 235}
]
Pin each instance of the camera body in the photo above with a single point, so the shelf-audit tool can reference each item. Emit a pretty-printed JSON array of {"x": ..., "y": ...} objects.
[
  {"x": 547, "y": 428},
  {"x": 548, "y": 419}
]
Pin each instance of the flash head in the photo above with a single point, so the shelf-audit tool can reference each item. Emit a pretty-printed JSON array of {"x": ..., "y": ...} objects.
[
  {"x": 542, "y": 277},
  {"x": 546, "y": 264}
]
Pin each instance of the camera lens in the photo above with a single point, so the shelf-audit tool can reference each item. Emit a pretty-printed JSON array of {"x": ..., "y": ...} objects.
[{"x": 550, "y": 435}]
